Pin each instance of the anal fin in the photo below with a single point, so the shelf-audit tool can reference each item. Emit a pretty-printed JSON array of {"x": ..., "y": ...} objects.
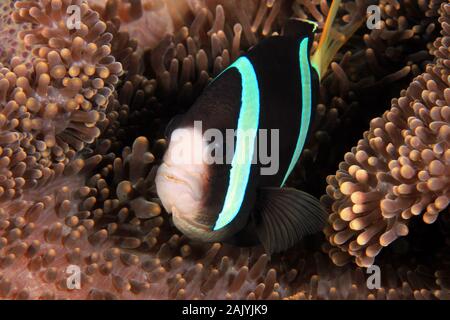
[{"x": 285, "y": 216}]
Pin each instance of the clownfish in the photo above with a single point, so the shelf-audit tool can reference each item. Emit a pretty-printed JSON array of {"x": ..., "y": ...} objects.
[{"x": 274, "y": 86}]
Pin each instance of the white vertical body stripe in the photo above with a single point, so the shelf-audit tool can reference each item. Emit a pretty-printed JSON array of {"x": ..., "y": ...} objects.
[
  {"x": 242, "y": 158},
  {"x": 305, "y": 74}
]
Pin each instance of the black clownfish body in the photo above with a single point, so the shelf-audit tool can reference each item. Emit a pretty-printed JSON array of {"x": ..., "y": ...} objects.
[{"x": 273, "y": 88}]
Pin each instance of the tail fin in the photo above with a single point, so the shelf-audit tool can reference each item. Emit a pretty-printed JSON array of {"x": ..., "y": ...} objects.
[{"x": 333, "y": 39}]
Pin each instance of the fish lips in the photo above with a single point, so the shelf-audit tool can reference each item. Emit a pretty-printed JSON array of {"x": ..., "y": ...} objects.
[{"x": 182, "y": 193}]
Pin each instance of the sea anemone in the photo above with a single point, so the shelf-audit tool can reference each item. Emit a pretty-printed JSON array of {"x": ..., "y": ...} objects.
[
  {"x": 399, "y": 170},
  {"x": 93, "y": 206},
  {"x": 50, "y": 109},
  {"x": 11, "y": 47},
  {"x": 145, "y": 21}
]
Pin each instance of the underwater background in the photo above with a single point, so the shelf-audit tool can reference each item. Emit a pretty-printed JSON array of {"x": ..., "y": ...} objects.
[{"x": 82, "y": 118}]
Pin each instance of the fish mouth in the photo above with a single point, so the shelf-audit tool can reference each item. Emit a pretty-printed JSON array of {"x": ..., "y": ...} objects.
[
  {"x": 177, "y": 178},
  {"x": 182, "y": 192},
  {"x": 182, "y": 187}
]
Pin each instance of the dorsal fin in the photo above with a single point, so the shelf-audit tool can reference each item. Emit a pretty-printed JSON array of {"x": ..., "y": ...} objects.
[{"x": 299, "y": 28}]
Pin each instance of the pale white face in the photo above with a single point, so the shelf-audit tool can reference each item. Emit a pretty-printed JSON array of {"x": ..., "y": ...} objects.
[{"x": 182, "y": 179}]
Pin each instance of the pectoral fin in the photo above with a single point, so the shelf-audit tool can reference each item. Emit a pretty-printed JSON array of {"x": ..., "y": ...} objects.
[{"x": 285, "y": 216}]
